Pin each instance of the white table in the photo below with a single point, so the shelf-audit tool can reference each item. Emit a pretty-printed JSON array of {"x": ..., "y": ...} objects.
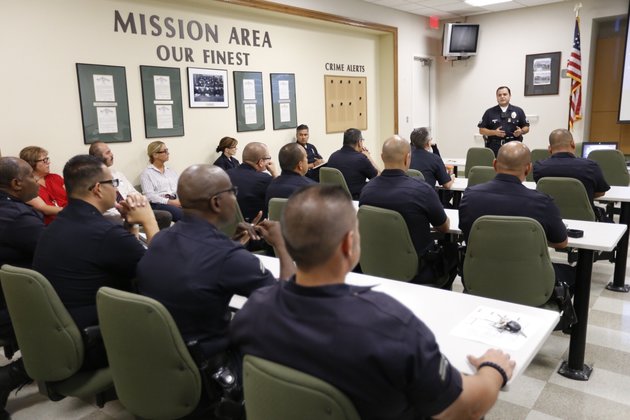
[
  {"x": 622, "y": 195},
  {"x": 442, "y": 310},
  {"x": 597, "y": 237}
]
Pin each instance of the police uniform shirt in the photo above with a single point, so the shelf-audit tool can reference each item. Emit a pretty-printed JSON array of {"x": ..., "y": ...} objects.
[
  {"x": 513, "y": 118},
  {"x": 505, "y": 195},
  {"x": 354, "y": 166},
  {"x": 414, "y": 199},
  {"x": 311, "y": 152},
  {"x": 20, "y": 228},
  {"x": 80, "y": 252},
  {"x": 365, "y": 343},
  {"x": 431, "y": 166},
  {"x": 194, "y": 270},
  {"x": 252, "y": 188},
  {"x": 285, "y": 185},
  {"x": 225, "y": 162},
  {"x": 567, "y": 165}
]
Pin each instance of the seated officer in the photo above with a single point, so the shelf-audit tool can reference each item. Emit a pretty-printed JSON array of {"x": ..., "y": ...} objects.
[
  {"x": 415, "y": 200},
  {"x": 564, "y": 163},
  {"x": 365, "y": 343},
  {"x": 354, "y": 161},
  {"x": 426, "y": 161},
  {"x": 193, "y": 269},
  {"x": 294, "y": 165},
  {"x": 251, "y": 180},
  {"x": 312, "y": 155}
]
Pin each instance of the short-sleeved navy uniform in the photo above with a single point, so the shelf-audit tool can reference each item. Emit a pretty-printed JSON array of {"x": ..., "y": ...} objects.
[
  {"x": 285, "y": 185},
  {"x": 194, "y": 270},
  {"x": 513, "y": 118},
  {"x": 312, "y": 155},
  {"x": 365, "y": 343},
  {"x": 226, "y": 162},
  {"x": 252, "y": 188},
  {"x": 415, "y": 200},
  {"x": 81, "y": 251},
  {"x": 354, "y": 166},
  {"x": 567, "y": 165},
  {"x": 431, "y": 166},
  {"x": 505, "y": 195}
]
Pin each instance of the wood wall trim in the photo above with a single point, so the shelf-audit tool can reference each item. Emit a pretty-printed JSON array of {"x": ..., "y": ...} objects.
[{"x": 328, "y": 17}]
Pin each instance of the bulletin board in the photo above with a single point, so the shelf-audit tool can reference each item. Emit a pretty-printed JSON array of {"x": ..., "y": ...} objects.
[{"x": 346, "y": 103}]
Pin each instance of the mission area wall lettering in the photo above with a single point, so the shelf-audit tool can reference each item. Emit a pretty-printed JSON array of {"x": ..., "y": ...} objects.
[{"x": 141, "y": 24}]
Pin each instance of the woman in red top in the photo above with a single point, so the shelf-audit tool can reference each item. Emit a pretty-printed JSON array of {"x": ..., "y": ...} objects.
[{"x": 52, "y": 193}]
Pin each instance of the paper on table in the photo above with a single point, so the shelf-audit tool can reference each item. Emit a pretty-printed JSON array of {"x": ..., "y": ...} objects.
[{"x": 480, "y": 325}]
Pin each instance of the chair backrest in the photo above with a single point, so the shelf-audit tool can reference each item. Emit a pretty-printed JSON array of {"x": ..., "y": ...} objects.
[
  {"x": 478, "y": 156},
  {"x": 50, "y": 341},
  {"x": 386, "y": 247},
  {"x": 230, "y": 228},
  {"x": 537, "y": 154},
  {"x": 498, "y": 266},
  {"x": 274, "y": 391},
  {"x": 415, "y": 173},
  {"x": 480, "y": 174},
  {"x": 613, "y": 164},
  {"x": 276, "y": 207},
  {"x": 153, "y": 372},
  {"x": 333, "y": 176},
  {"x": 569, "y": 195}
]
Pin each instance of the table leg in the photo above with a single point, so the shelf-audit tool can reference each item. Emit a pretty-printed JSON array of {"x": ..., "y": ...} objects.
[
  {"x": 575, "y": 368},
  {"x": 621, "y": 256}
]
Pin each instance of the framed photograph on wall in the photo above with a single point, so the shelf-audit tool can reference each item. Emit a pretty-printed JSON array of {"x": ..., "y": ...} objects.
[
  {"x": 104, "y": 103},
  {"x": 248, "y": 95},
  {"x": 207, "y": 88},
  {"x": 542, "y": 74},
  {"x": 283, "y": 100},
  {"x": 162, "y": 98}
]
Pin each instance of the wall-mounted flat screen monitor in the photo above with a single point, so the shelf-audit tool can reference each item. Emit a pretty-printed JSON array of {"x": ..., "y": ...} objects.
[
  {"x": 589, "y": 146},
  {"x": 460, "y": 39}
]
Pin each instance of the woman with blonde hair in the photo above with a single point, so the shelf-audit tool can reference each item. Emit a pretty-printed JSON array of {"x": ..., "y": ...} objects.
[
  {"x": 159, "y": 182},
  {"x": 227, "y": 147},
  {"x": 52, "y": 197}
]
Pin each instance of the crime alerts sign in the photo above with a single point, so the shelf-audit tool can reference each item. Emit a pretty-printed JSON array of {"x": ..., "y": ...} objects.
[{"x": 193, "y": 30}]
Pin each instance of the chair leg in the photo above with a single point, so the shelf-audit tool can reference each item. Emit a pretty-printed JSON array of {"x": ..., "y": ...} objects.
[{"x": 106, "y": 396}]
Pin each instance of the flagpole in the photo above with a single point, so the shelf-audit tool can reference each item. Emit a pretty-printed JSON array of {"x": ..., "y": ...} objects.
[{"x": 575, "y": 74}]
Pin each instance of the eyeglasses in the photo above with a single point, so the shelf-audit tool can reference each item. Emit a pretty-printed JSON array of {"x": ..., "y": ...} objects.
[
  {"x": 265, "y": 158},
  {"x": 233, "y": 189},
  {"x": 163, "y": 151},
  {"x": 115, "y": 183},
  {"x": 45, "y": 160}
]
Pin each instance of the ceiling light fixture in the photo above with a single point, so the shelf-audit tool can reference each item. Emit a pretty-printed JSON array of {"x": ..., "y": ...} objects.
[{"x": 481, "y": 3}]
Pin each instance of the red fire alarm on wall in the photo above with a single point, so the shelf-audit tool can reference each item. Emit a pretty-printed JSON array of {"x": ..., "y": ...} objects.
[{"x": 434, "y": 22}]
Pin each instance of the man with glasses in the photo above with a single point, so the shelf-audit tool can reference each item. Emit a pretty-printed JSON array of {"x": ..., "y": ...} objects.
[
  {"x": 193, "y": 269},
  {"x": 252, "y": 180},
  {"x": 82, "y": 251}
]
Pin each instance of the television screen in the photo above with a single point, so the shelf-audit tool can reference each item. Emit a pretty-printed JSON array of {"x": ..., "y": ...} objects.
[
  {"x": 589, "y": 146},
  {"x": 460, "y": 39}
]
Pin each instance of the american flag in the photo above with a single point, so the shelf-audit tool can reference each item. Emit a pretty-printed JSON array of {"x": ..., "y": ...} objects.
[{"x": 574, "y": 71}]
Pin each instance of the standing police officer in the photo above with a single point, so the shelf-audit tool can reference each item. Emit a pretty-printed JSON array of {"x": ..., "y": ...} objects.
[{"x": 503, "y": 123}]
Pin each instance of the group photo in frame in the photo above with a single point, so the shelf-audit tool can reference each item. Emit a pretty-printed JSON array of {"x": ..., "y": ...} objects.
[
  {"x": 542, "y": 74},
  {"x": 207, "y": 88}
]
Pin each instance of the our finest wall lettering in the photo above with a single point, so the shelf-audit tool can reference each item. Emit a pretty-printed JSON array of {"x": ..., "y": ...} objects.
[{"x": 169, "y": 27}]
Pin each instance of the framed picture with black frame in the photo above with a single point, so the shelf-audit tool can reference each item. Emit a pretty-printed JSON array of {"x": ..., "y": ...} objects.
[
  {"x": 248, "y": 95},
  {"x": 162, "y": 99},
  {"x": 207, "y": 88},
  {"x": 542, "y": 74},
  {"x": 104, "y": 103},
  {"x": 283, "y": 100}
]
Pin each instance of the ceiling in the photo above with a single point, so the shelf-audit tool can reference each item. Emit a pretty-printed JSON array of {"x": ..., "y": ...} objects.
[{"x": 447, "y": 9}]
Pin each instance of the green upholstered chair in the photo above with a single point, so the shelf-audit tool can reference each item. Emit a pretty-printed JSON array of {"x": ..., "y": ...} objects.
[
  {"x": 415, "y": 173},
  {"x": 613, "y": 164},
  {"x": 274, "y": 391},
  {"x": 507, "y": 259},
  {"x": 51, "y": 344},
  {"x": 230, "y": 228},
  {"x": 480, "y": 174},
  {"x": 333, "y": 176},
  {"x": 478, "y": 156},
  {"x": 276, "y": 207},
  {"x": 569, "y": 195},
  {"x": 386, "y": 247},
  {"x": 537, "y": 154},
  {"x": 154, "y": 374}
]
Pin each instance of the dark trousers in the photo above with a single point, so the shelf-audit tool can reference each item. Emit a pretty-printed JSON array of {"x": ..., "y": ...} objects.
[{"x": 176, "y": 212}]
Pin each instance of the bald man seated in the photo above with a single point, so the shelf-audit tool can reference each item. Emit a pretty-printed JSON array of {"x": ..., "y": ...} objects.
[
  {"x": 294, "y": 164},
  {"x": 365, "y": 343},
  {"x": 564, "y": 163},
  {"x": 415, "y": 200},
  {"x": 194, "y": 269},
  {"x": 251, "y": 179}
]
